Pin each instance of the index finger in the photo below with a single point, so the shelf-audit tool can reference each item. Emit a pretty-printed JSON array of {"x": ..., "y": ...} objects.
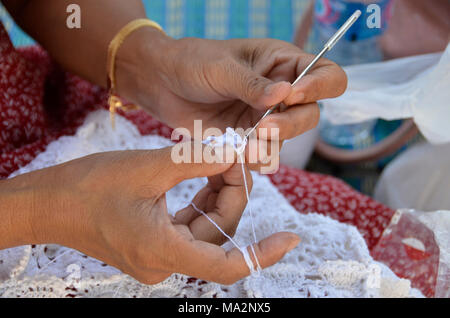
[
  {"x": 325, "y": 80},
  {"x": 212, "y": 263}
]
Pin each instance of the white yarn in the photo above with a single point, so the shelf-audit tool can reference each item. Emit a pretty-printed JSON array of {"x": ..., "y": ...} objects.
[
  {"x": 248, "y": 198},
  {"x": 244, "y": 251},
  {"x": 233, "y": 139},
  {"x": 55, "y": 259},
  {"x": 216, "y": 225},
  {"x": 296, "y": 275}
]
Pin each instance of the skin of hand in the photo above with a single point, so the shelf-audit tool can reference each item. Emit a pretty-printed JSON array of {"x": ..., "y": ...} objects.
[
  {"x": 225, "y": 83},
  {"x": 112, "y": 206}
]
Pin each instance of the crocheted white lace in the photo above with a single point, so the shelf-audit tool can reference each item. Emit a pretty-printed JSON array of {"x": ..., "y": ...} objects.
[{"x": 331, "y": 261}]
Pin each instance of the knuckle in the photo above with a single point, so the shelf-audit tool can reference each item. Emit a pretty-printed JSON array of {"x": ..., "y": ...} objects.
[
  {"x": 231, "y": 229},
  {"x": 221, "y": 240},
  {"x": 231, "y": 233},
  {"x": 253, "y": 84},
  {"x": 227, "y": 66},
  {"x": 290, "y": 101}
]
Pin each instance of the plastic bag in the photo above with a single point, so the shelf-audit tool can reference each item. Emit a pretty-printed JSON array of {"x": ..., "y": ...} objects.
[
  {"x": 416, "y": 87},
  {"x": 417, "y": 179},
  {"x": 415, "y": 246}
]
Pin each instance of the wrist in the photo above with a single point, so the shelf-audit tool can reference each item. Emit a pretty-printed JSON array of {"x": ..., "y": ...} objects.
[
  {"x": 140, "y": 65},
  {"x": 36, "y": 209},
  {"x": 22, "y": 211}
]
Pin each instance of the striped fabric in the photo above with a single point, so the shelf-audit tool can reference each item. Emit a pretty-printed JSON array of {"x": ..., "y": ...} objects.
[{"x": 213, "y": 19}]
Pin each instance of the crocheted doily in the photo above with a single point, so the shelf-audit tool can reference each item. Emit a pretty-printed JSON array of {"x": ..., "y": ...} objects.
[{"x": 332, "y": 259}]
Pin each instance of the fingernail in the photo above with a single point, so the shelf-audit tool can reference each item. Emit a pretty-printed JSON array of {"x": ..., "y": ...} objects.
[{"x": 293, "y": 244}]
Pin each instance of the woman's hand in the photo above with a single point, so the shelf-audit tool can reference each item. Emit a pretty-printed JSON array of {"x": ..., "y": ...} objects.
[
  {"x": 225, "y": 83},
  {"x": 112, "y": 206}
]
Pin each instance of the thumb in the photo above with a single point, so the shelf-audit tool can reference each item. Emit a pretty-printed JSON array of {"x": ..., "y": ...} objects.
[
  {"x": 214, "y": 264},
  {"x": 191, "y": 160},
  {"x": 255, "y": 90},
  {"x": 270, "y": 250}
]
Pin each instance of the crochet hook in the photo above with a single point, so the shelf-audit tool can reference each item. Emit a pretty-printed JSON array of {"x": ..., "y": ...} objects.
[{"x": 327, "y": 47}]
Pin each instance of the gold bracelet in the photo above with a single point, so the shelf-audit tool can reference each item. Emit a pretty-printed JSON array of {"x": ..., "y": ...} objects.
[{"x": 114, "y": 101}]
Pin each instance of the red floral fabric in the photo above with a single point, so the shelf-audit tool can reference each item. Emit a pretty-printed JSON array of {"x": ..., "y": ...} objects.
[
  {"x": 310, "y": 192},
  {"x": 39, "y": 103}
]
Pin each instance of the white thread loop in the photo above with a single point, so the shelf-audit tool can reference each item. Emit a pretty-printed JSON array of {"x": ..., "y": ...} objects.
[
  {"x": 244, "y": 251},
  {"x": 258, "y": 266},
  {"x": 239, "y": 145},
  {"x": 215, "y": 224},
  {"x": 247, "y": 193}
]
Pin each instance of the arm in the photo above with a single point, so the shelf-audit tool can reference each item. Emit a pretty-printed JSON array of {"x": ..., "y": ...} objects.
[
  {"x": 23, "y": 210},
  {"x": 82, "y": 51},
  {"x": 14, "y": 210}
]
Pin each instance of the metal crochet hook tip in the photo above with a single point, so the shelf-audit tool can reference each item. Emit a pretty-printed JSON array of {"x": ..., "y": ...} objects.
[{"x": 327, "y": 47}]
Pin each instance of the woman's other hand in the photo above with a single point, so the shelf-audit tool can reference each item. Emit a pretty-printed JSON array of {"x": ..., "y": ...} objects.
[
  {"x": 225, "y": 83},
  {"x": 112, "y": 206}
]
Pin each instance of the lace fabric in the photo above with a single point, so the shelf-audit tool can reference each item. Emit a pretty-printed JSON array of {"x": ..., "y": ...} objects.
[{"x": 331, "y": 261}]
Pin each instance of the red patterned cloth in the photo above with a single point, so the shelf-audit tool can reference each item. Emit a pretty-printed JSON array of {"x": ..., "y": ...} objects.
[
  {"x": 310, "y": 192},
  {"x": 39, "y": 103}
]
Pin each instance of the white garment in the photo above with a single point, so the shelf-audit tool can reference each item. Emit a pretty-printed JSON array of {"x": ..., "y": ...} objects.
[{"x": 331, "y": 261}]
